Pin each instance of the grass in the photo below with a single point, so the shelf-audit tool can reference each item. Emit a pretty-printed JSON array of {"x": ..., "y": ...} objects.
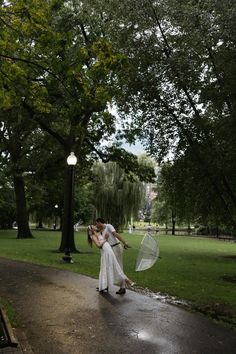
[
  {"x": 11, "y": 314},
  {"x": 200, "y": 270}
]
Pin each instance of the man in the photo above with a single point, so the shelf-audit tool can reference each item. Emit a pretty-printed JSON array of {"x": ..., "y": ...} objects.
[{"x": 115, "y": 241}]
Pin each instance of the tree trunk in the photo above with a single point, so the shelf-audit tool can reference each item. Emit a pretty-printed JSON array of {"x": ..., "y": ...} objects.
[
  {"x": 21, "y": 209},
  {"x": 40, "y": 222},
  {"x": 189, "y": 229},
  {"x": 60, "y": 223},
  {"x": 166, "y": 229},
  {"x": 173, "y": 222},
  {"x": 67, "y": 240}
]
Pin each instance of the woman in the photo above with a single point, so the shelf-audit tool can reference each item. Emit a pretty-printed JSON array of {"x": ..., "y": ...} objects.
[{"x": 110, "y": 270}]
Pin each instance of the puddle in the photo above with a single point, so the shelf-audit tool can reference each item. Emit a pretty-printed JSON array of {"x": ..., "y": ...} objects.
[
  {"x": 218, "y": 312},
  {"x": 162, "y": 297}
]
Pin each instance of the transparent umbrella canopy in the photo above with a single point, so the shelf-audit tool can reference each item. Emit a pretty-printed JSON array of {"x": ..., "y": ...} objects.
[{"x": 148, "y": 253}]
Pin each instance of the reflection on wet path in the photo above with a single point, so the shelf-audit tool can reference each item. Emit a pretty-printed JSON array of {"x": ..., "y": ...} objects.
[{"x": 162, "y": 297}]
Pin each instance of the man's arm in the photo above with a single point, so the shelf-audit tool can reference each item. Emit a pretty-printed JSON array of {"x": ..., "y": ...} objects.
[{"x": 120, "y": 239}]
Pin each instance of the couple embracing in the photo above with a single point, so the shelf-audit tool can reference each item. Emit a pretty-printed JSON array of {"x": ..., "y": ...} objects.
[{"x": 105, "y": 237}]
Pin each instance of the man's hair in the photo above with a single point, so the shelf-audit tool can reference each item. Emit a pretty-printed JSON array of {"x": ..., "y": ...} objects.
[
  {"x": 89, "y": 230},
  {"x": 100, "y": 220}
]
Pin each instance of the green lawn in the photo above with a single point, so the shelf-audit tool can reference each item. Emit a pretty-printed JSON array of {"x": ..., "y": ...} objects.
[{"x": 190, "y": 268}]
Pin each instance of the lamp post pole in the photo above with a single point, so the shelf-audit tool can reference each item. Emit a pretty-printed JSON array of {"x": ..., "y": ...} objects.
[
  {"x": 55, "y": 224},
  {"x": 68, "y": 217}
]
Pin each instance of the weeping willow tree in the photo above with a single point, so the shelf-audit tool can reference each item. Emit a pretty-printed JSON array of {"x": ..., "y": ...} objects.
[{"x": 117, "y": 199}]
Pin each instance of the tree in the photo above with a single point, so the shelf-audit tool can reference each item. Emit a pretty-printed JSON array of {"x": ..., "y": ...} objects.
[
  {"x": 116, "y": 199},
  {"x": 7, "y": 200},
  {"x": 178, "y": 90},
  {"x": 66, "y": 77},
  {"x": 84, "y": 206},
  {"x": 16, "y": 143},
  {"x": 43, "y": 192}
]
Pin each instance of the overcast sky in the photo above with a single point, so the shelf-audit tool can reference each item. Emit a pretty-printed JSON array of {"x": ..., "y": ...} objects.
[{"x": 136, "y": 148}]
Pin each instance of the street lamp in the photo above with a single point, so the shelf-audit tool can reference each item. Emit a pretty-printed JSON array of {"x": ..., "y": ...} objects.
[
  {"x": 68, "y": 227},
  {"x": 72, "y": 159},
  {"x": 55, "y": 224}
]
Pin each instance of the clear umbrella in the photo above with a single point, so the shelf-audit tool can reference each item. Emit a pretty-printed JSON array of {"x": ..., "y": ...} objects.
[{"x": 148, "y": 253}]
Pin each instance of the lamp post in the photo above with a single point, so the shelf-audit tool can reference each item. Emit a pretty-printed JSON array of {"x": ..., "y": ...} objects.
[
  {"x": 68, "y": 225},
  {"x": 55, "y": 224}
]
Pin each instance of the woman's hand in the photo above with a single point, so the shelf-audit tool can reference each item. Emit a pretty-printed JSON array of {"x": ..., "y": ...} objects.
[{"x": 102, "y": 244}]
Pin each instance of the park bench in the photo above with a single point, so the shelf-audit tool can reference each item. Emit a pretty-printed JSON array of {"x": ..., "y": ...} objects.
[
  {"x": 225, "y": 238},
  {"x": 7, "y": 338}
]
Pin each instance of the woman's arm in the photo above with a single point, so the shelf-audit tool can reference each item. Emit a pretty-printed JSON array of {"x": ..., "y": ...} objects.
[{"x": 98, "y": 243}]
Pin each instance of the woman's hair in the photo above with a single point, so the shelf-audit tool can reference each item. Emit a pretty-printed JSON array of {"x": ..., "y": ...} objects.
[{"x": 89, "y": 230}]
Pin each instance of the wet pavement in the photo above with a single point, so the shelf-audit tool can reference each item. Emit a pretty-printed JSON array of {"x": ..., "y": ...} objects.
[{"x": 60, "y": 312}]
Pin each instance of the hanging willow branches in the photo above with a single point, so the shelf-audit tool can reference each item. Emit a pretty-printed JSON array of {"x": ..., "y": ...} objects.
[{"x": 117, "y": 199}]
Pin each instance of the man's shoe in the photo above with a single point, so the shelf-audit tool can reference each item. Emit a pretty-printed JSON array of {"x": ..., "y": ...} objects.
[
  {"x": 103, "y": 291},
  {"x": 121, "y": 291}
]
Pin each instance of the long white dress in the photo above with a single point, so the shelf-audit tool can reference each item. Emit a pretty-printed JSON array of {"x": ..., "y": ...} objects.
[{"x": 110, "y": 270}]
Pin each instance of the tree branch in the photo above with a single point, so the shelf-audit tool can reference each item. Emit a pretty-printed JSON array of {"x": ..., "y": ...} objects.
[
  {"x": 219, "y": 80},
  {"x": 99, "y": 153},
  {"x": 43, "y": 125},
  {"x": 39, "y": 66}
]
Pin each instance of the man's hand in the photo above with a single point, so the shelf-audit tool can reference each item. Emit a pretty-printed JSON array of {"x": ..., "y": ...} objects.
[{"x": 126, "y": 246}]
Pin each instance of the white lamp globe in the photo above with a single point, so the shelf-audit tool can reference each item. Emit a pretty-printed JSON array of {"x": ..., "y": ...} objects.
[{"x": 72, "y": 159}]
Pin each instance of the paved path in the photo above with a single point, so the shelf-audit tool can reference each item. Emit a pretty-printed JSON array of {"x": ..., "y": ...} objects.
[{"x": 60, "y": 312}]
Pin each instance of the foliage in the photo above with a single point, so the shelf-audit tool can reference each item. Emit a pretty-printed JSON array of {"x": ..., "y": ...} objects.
[
  {"x": 178, "y": 92},
  {"x": 65, "y": 69},
  {"x": 7, "y": 203},
  {"x": 84, "y": 207},
  {"x": 117, "y": 199},
  {"x": 58, "y": 73},
  {"x": 183, "y": 188},
  {"x": 161, "y": 63}
]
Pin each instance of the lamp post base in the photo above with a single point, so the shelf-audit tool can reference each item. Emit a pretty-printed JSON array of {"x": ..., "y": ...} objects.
[{"x": 67, "y": 258}]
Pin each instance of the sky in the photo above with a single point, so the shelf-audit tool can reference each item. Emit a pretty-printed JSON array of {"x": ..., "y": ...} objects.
[{"x": 136, "y": 149}]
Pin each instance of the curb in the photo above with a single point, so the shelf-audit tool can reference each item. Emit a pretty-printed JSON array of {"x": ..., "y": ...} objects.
[{"x": 8, "y": 341}]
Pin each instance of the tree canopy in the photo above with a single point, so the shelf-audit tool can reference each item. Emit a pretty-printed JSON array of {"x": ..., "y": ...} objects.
[
  {"x": 58, "y": 78},
  {"x": 178, "y": 90},
  {"x": 162, "y": 64}
]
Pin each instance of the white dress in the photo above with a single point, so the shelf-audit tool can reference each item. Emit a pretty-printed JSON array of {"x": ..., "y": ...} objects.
[{"x": 110, "y": 270}]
